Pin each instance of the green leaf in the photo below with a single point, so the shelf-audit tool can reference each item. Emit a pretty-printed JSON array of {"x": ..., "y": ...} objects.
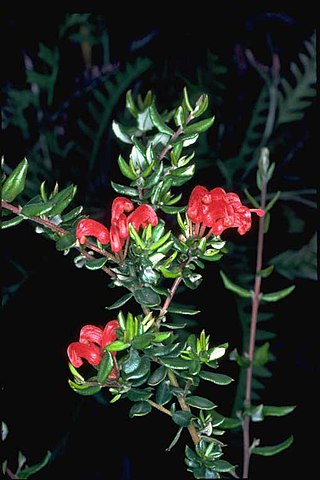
[
  {"x": 157, "y": 376},
  {"x": 183, "y": 311},
  {"x": 275, "y": 296},
  {"x": 95, "y": 263},
  {"x": 199, "y": 402},
  {"x": 66, "y": 241},
  {"x": 105, "y": 367},
  {"x": 142, "y": 341},
  {"x": 132, "y": 363},
  {"x": 72, "y": 214},
  {"x": 163, "y": 393},
  {"x": 274, "y": 449},
  {"x": 161, "y": 241},
  {"x": 11, "y": 223},
  {"x": 223, "y": 466},
  {"x": 139, "y": 409},
  {"x": 146, "y": 296},
  {"x": 125, "y": 168},
  {"x": 14, "y": 184},
  {"x": 217, "y": 378},
  {"x": 277, "y": 411},
  {"x": 242, "y": 292},
  {"x": 36, "y": 209},
  {"x": 182, "y": 418},
  {"x": 84, "y": 389},
  {"x": 199, "y": 127},
  {"x": 117, "y": 346},
  {"x": 121, "y": 301},
  {"x": 171, "y": 210},
  {"x": 62, "y": 199},
  {"x": 138, "y": 395},
  {"x": 158, "y": 122},
  {"x": 175, "y": 363},
  {"x": 123, "y": 190},
  {"x": 26, "y": 472},
  {"x": 265, "y": 272}
]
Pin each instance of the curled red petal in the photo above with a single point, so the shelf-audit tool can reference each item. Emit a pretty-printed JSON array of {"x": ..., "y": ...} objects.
[
  {"x": 109, "y": 333},
  {"x": 120, "y": 205},
  {"x": 195, "y": 204},
  {"x": 115, "y": 239},
  {"x": 77, "y": 351},
  {"x": 142, "y": 216},
  {"x": 122, "y": 225},
  {"x": 89, "y": 227},
  {"x": 90, "y": 333}
]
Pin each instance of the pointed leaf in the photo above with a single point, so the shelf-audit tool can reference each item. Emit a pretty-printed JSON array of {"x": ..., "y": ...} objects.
[
  {"x": 158, "y": 122},
  {"x": 157, "y": 376},
  {"x": 277, "y": 411},
  {"x": 28, "y": 471},
  {"x": 139, "y": 409},
  {"x": 275, "y": 296},
  {"x": 95, "y": 263},
  {"x": 242, "y": 292},
  {"x": 217, "y": 378},
  {"x": 274, "y": 449},
  {"x": 14, "y": 184},
  {"x": 121, "y": 301},
  {"x": 105, "y": 367},
  {"x": 199, "y": 127},
  {"x": 66, "y": 241}
]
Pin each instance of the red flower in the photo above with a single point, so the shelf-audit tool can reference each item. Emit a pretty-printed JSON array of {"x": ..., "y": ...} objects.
[
  {"x": 92, "y": 340},
  {"x": 92, "y": 228},
  {"x": 142, "y": 216},
  {"x": 219, "y": 210}
]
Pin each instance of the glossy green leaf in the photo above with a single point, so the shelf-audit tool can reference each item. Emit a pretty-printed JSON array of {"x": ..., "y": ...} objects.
[
  {"x": 163, "y": 393},
  {"x": 182, "y": 418},
  {"x": 146, "y": 296},
  {"x": 125, "y": 168},
  {"x": 223, "y": 466},
  {"x": 158, "y": 121},
  {"x": 11, "y": 223},
  {"x": 199, "y": 402},
  {"x": 261, "y": 355},
  {"x": 277, "y": 411},
  {"x": 265, "y": 272},
  {"x": 132, "y": 362},
  {"x": 138, "y": 395},
  {"x": 36, "y": 209},
  {"x": 242, "y": 292},
  {"x": 130, "y": 104},
  {"x": 84, "y": 389},
  {"x": 66, "y": 241},
  {"x": 160, "y": 241},
  {"x": 175, "y": 363},
  {"x": 117, "y": 346},
  {"x": 96, "y": 263},
  {"x": 217, "y": 378},
  {"x": 157, "y": 376},
  {"x": 275, "y": 296},
  {"x": 172, "y": 350},
  {"x": 75, "y": 372},
  {"x": 172, "y": 210},
  {"x": 121, "y": 301},
  {"x": 28, "y": 471},
  {"x": 124, "y": 190},
  {"x": 141, "y": 372},
  {"x": 105, "y": 367},
  {"x": 14, "y": 184},
  {"x": 183, "y": 311},
  {"x": 72, "y": 214},
  {"x": 199, "y": 127},
  {"x": 142, "y": 341},
  {"x": 274, "y": 449},
  {"x": 140, "y": 409},
  {"x": 62, "y": 199}
]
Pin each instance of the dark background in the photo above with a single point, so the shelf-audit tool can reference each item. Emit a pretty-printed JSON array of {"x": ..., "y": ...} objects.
[{"x": 89, "y": 439}]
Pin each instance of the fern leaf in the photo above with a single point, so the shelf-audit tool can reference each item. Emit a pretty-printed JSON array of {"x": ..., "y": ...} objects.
[{"x": 296, "y": 96}]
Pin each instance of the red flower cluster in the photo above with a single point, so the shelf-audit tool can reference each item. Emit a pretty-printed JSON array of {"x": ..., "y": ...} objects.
[
  {"x": 119, "y": 230},
  {"x": 219, "y": 210},
  {"x": 92, "y": 340}
]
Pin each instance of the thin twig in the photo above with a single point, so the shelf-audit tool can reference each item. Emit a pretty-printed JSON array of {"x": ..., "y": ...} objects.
[
  {"x": 253, "y": 328},
  {"x": 55, "y": 228}
]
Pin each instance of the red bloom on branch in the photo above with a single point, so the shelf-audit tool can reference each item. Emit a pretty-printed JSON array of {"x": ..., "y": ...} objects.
[
  {"x": 142, "y": 216},
  {"x": 219, "y": 210},
  {"x": 92, "y": 340},
  {"x": 91, "y": 228}
]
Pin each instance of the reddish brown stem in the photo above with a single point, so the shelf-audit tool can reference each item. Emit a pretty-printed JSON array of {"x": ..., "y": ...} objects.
[{"x": 253, "y": 329}]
